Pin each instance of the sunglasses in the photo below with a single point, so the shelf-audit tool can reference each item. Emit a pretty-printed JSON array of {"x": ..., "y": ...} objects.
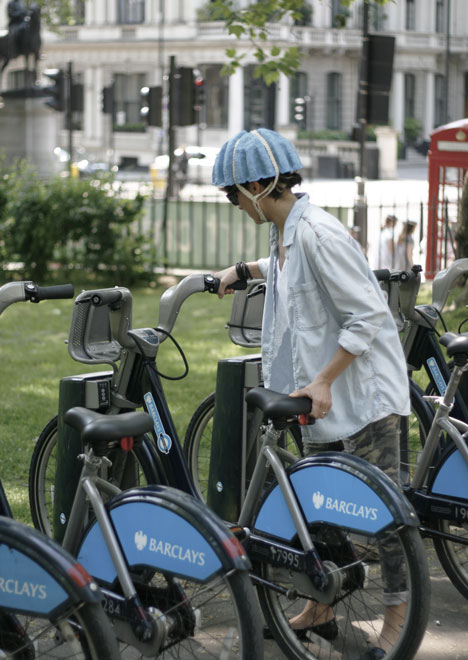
[{"x": 233, "y": 196}]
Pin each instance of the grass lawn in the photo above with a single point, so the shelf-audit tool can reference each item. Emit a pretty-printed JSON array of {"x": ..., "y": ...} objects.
[{"x": 34, "y": 357}]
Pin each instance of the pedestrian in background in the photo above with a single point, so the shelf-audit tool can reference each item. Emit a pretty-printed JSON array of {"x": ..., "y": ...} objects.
[{"x": 387, "y": 243}]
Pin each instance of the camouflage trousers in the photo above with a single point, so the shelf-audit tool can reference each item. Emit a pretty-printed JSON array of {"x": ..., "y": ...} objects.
[{"x": 379, "y": 444}]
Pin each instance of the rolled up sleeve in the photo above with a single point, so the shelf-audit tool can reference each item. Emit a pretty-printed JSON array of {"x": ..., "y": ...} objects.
[{"x": 350, "y": 291}]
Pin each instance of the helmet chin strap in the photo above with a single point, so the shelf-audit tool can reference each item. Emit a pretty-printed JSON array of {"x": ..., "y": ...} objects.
[{"x": 266, "y": 191}]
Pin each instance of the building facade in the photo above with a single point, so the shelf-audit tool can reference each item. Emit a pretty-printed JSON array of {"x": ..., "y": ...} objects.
[{"x": 128, "y": 43}]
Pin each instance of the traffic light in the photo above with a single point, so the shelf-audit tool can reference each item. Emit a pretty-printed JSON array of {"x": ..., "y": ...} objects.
[
  {"x": 151, "y": 108},
  {"x": 199, "y": 90},
  {"x": 57, "y": 90},
  {"x": 184, "y": 97},
  {"x": 77, "y": 97},
  {"x": 108, "y": 100},
  {"x": 300, "y": 111}
]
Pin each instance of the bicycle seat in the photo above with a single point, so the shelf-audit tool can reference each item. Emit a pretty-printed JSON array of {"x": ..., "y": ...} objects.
[
  {"x": 276, "y": 406},
  {"x": 455, "y": 344},
  {"x": 103, "y": 430}
]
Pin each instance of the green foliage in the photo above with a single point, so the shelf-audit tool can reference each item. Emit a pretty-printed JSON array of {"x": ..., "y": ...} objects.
[
  {"x": 76, "y": 224},
  {"x": 252, "y": 24},
  {"x": 412, "y": 129},
  {"x": 326, "y": 134}
]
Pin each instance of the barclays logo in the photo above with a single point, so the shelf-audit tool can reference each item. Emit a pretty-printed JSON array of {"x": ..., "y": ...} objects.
[
  {"x": 140, "y": 540},
  {"x": 344, "y": 507},
  {"x": 318, "y": 499}
]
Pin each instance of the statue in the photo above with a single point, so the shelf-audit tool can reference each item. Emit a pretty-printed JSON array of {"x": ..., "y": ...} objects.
[{"x": 24, "y": 34}]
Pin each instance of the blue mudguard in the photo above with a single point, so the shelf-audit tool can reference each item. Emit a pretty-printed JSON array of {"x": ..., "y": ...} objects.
[
  {"x": 451, "y": 476},
  {"x": 339, "y": 489},
  {"x": 163, "y": 528},
  {"x": 38, "y": 577}
]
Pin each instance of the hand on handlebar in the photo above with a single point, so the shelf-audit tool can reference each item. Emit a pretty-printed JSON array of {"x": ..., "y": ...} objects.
[
  {"x": 226, "y": 277},
  {"x": 320, "y": 395}
]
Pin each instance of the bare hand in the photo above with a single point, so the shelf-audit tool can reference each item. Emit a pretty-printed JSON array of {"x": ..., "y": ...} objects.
[
  {"x": 320, "y": 394},
  {"x": 227, "y": 276}
]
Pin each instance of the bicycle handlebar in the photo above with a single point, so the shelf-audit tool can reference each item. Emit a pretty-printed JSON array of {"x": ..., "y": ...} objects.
[
  {"x": 36, "y": 293},
  {"x": 106, "y": 297},
  {"x": 20, "y": 291},
  {"x": 173, "y": 298}
]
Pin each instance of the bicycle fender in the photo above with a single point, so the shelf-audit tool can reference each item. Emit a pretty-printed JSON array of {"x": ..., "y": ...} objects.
[
  {"x": 338, "y": 489},
  {"x": 37, "y": 576},
  {"x": 163, "y": 528},
  {"x": 451, "y": 476}
]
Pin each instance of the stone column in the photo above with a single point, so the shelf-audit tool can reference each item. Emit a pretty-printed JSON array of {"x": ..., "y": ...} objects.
[
  {"x": 428, "y": 105},
  {"x": 398, "y": 102},
  {"x": 387, "y": 143},
  {"x": 282, "y": 101},
  {"x": 236, "y": 102}
]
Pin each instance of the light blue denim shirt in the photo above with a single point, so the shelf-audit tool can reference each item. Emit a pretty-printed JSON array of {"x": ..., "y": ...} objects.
[{"x": 334, "y": 300}]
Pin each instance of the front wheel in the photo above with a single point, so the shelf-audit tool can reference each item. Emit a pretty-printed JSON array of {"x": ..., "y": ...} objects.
[
  {"x": 218, "y": 619},
  {"x": 197, "y": 444},
  {"x": 361, "y": 600},
  {"x": 85, "y": 633},
  {"x": 133, "y": 467}
]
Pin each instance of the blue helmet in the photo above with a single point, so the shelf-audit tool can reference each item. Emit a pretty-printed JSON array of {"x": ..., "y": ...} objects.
[{"x": 251, "y": 156}]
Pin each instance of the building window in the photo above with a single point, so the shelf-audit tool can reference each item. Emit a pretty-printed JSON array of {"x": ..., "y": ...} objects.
[
  {"x": 299, "y": 101},
  {"x": 259, "y": 102},
  {"x": 79, "y": 12},
  {"x": 339, "y": 14},
  {"x": 440, "y": 16},
  {"x": 410, "y": 92},
  {"x": 127, "y": 101},
  {"x": 377, "y": 17},
  {"x": 439, "y": 100},
  {"x": 333, "y": 119},
  {"x": 214, "y": 111},
  {"x": 410, "y": 14},
  {"x": 130, "y": 11}
]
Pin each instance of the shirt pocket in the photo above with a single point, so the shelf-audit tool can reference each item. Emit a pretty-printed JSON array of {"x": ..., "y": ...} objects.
[{"x": 309, "y": 311}]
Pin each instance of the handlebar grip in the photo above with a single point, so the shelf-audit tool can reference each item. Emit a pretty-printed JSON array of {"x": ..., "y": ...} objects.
[
  {"x": 108, "y": 297},
  {"x": 382, "y": 274},
  {"x": 36, "y": 293},
  {"x": 212, "y": 284}
]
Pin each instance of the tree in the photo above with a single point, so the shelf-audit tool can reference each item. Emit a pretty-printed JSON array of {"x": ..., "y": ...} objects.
[
  {"x": 252, "y": 23},
  {"x": 55, "y": 13}
]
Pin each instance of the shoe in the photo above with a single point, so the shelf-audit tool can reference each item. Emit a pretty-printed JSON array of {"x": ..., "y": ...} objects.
[
  {"x": 374, "y": 653},
  {"x": 327, "y": 630}
]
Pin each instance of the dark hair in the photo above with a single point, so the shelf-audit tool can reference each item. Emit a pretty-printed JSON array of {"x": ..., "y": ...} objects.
[{"x": 285, "y": 181}]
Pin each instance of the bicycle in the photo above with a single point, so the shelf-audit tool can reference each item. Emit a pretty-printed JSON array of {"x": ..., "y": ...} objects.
[
  {"x": 437, "y": 489},
  {"x": 49, "y": 605},
  {"x": 300, "y": 547}
]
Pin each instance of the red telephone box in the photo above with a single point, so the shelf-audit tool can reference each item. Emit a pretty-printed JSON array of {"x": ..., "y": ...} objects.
[{"x": 448, "y": 164}]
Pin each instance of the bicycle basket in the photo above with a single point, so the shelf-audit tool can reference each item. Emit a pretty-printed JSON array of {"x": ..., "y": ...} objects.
[
  {"x": 100, "y": 321},
  {"x": 245, "y": 324}
]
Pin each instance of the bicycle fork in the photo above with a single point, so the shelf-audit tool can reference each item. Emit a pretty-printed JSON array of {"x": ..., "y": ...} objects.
[
  {"x": 306, "y": 561},
  {"x": 146, "y": 628}
]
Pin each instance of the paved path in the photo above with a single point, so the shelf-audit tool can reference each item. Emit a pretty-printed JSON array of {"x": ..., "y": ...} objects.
[{"x": 447, "y": 633}]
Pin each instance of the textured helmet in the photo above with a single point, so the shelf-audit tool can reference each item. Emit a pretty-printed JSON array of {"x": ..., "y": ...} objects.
[{"x": 251, "y": 156}]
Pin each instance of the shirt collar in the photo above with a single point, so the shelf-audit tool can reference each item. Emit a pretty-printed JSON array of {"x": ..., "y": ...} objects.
[{"x": 293, "y": 218}]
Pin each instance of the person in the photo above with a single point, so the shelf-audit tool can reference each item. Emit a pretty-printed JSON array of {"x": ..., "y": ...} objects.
[
  {"x": 387, "y": 243},
  {"x": 327, "y": 331},
  {"x": 404, "y": 246}
]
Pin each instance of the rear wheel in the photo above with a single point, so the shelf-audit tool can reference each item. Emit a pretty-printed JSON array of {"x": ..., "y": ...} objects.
[
  {"x": 128, "y": 469},
  {"x": 197, "y": 444},
  {"x": 358, "y": 605}
]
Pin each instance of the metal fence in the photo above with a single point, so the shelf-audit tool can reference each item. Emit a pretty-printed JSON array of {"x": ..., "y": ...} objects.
[{"x": 210, "y": 234}]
